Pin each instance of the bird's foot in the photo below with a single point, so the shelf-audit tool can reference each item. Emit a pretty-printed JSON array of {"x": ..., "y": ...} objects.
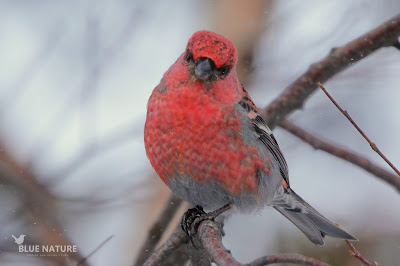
[
  {"x": 193, "y": 217},
  {"x": 191, "y": 220}
]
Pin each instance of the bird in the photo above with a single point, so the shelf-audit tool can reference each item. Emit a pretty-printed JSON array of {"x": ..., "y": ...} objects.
[
  {"x": 19, "y": 240},
  {"x": 206, "y": 140}
]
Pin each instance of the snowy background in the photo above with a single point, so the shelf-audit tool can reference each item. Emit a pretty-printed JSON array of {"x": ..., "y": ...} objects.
[{"x": 76, "y": 77}]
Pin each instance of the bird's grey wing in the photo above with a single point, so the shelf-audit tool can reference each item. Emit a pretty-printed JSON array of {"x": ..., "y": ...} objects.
[{"x": 265, "y": 134}]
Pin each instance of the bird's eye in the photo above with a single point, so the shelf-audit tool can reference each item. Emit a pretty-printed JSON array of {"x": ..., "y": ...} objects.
[
  {"x": 224, "y": 70},
  {"x": 188, "y": 56}
]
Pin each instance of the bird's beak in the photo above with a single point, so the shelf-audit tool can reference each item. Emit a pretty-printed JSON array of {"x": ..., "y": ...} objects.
[{"x": 204, "y": 69}]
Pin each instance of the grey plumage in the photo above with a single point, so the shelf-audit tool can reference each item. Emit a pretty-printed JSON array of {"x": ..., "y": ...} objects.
[{"x": 313, "y": 224}]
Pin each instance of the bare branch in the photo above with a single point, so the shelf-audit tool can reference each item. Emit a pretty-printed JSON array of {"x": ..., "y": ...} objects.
[
  {"x": 343, "y": 153},
  {"x": 180, "y": 257},
  {"x": 95, "y": 250},
  {"x": 33, "y": 194},
  {"x": 158, "y": 228},
  {"x": 177, "y": 239},
  {"x": 358, "y": 255},
  {"x": 287, "y": 258},
  {"x": 372, "y": 144},
  {"x": 294, "y": 96},
  {"x": 211, "y": 238}
]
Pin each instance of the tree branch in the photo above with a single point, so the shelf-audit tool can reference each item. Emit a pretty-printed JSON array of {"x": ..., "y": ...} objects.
[
  {"x": 372, "y": 144},
  {"x": 343, "y": 153},
  {"x": 158, "y": 228},
  {"x": 211, "y": 238},
  {"x": 358, "y": 255},
  {"x": 286, "y": 258},
  {"x": 95, "y": 250},
  {"x": 210, "y": 235},
  {"x": 294, "y": 96},
  {"x": 177, "y": 239},
  {"x": 39, "y": 205}
]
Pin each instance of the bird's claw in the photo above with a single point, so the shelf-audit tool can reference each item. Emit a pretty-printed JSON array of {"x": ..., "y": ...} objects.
[{"x": 193, "y": 217}]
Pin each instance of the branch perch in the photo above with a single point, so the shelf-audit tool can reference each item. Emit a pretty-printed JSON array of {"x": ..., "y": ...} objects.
[
  {"x": 294, "y": 96},
  {"x": 177, "y": 239},
  {"x": 343, "y": 153}
]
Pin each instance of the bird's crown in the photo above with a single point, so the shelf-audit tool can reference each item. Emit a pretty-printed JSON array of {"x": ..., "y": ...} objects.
[{"x": 214, "y": 46}]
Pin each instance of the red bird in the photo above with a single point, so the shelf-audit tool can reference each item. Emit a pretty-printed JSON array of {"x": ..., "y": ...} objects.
[{"x": 207, "y": 142}]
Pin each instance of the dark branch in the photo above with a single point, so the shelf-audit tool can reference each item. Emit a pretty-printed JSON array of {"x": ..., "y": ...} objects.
[
  {"x": 211, "y": 238},
  {"x": 177, "y": 239},
  {"x": 343, "y": 153},
  {"x": 158, "y": 228},
  {"x": 294, "y": 96},
  {"x": 94, "y": 251},
  {"x": 39, "y": 205}
]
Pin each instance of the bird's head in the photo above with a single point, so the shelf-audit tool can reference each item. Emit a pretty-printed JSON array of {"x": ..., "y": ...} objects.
[{"x": 210, "y": 56}]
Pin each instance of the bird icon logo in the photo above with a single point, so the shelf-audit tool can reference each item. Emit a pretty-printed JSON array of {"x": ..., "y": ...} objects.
[{"x": 19, "y": 240}]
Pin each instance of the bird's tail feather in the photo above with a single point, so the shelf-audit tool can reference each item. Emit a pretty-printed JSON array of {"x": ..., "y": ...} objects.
[{"x": 313, "y": 224}]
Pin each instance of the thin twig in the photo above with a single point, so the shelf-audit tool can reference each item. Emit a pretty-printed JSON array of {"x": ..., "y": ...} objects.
[
  {"x": 343, "y": 153},
  {"x": 157, "y": 230},
  {"x": 372, "y": 144},
  {"x": 24, "y": 183},
  {"x": 294, "y": 96},
  {"x": 95, "y": 250},
  {"x": 177, "y": 239},
  {"x": 358, "y": 255},
  {"x": 287, "y": 258}
]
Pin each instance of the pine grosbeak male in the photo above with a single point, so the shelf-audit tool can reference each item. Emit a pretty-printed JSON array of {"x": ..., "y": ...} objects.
[{"x": 206, "y": 141}]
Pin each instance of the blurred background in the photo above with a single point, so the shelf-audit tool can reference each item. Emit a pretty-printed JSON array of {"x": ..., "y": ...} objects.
[{"x": 74, "y": 84}]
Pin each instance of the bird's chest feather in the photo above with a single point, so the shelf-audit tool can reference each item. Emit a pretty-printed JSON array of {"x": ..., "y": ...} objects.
[{"x": 193, "y": 135}]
